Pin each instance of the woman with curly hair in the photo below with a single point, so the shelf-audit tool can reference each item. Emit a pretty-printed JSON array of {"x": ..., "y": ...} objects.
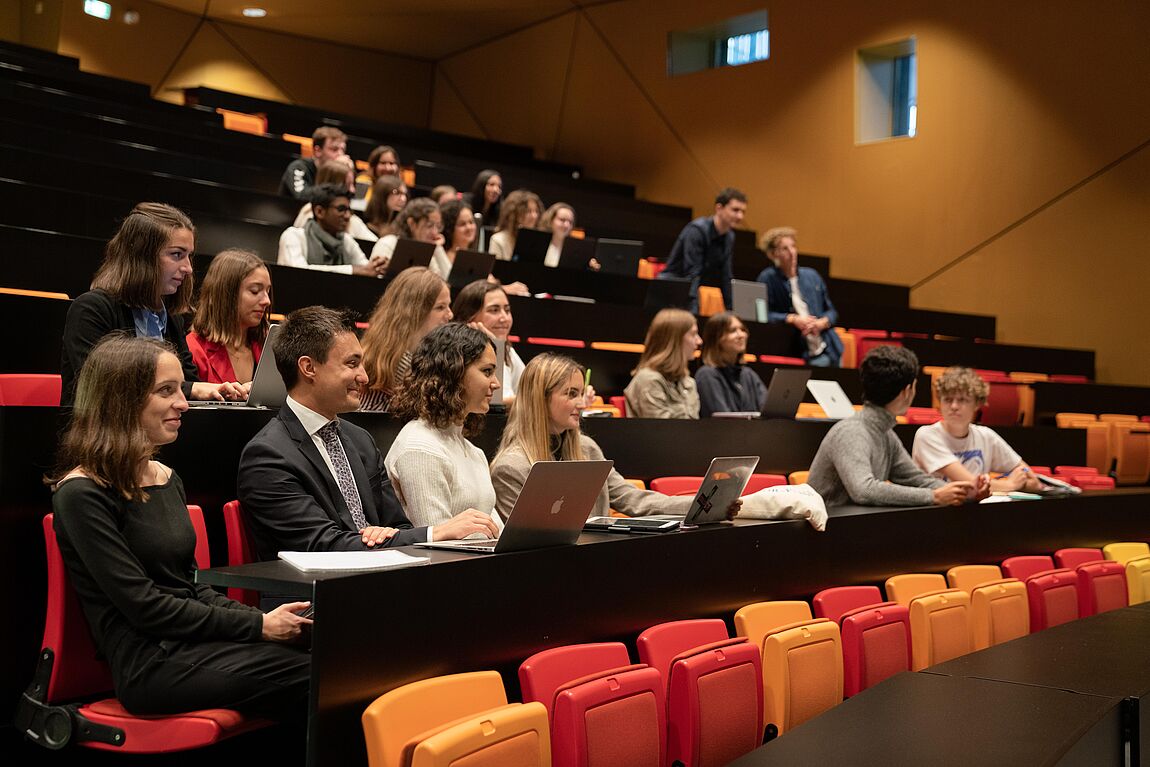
[
  {"x": 415, "y": 303},
  {"x": 436, "y": 472},
  {"x": 419, "y": 220},
  {"x": 520, "y": 210}
]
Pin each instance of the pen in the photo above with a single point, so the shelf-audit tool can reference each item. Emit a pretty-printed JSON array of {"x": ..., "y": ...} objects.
[{"x": 587, "y": 378}]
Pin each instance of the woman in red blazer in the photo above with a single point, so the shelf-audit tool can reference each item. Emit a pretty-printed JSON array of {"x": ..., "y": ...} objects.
[{"x": 231, "y": 320}]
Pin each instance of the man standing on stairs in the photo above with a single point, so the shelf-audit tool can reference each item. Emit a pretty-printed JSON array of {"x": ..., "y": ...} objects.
[{"x": 706, "y": 246}]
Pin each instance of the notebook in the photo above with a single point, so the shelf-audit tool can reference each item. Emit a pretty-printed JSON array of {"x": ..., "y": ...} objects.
[{"x": 555, "y": 501}]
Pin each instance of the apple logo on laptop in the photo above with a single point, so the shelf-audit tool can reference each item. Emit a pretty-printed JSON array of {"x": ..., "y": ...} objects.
[{"x": 555, "y": 507}]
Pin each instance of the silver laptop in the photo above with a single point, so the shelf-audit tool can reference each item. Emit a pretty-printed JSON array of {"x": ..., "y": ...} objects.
[
  {"x": 724, "y": 482},
  {"x": 831, "y": 397},
  {"x": 783, "y": 396},
  {"x": 555, "y": 501},
  {"x": 500, "y": 359},
  {"x": 750, "y": 300},
  {"x": 268, "y": 388}
]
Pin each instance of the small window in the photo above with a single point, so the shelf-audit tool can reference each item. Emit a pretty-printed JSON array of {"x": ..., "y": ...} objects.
[
  {"x": 732, "y": 42},
  {"x": 887, "y": 92}
]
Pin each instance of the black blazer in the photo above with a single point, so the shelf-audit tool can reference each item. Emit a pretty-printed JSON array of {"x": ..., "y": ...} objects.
[
  {"x": 292, "y": 502},
  {"x": 94, "y": 315}
]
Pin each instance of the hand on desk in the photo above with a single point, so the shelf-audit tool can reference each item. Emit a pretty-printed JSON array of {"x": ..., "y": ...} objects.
[
  {"x": 464, "y": 524},
  {"x": 953, "y": 493},
  {"x": 282, "y": 624},
  {"x": 733, "y": 509},
  {"x": 373, "y": 536}
]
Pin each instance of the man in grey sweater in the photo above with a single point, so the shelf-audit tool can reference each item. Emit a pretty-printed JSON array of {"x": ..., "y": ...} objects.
[{"x": 862, "y": 461}]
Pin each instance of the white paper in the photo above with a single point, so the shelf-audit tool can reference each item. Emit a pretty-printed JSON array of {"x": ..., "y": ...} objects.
[{"x": 328, "y": 561}]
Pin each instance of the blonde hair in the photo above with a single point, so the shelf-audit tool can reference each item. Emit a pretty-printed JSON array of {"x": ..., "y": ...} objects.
[
  {"x": 398, "y": 316},
  {"x": 217, "y": 317},
  {"x": 962, "y": 381},
  {"x": 663, "y": 347},
  {"x": 550, "y": 214},
  {"x": 770, "y": 240},
  {"x": 529, "y": 422}
]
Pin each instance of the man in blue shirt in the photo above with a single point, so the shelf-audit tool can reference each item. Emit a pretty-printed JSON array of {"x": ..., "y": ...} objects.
[
  {"x": 705, "y": 247},
  {"x": 798, "y": 296}
]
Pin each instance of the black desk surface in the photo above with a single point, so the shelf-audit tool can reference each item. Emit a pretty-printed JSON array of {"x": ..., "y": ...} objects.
[{"x": 916, "y": 719}]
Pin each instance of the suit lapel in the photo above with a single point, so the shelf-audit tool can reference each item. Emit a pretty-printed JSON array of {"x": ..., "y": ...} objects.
[{"x": 306, "y": 446}]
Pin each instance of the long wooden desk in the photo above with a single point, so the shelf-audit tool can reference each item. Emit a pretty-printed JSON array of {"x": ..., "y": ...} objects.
[{"x": 376, "y": 631}]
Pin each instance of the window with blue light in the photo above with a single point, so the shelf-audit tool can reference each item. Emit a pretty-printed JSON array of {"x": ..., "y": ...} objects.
[
  {"x": 744, "y": 49},
  {"x": 731, "y": 42}
]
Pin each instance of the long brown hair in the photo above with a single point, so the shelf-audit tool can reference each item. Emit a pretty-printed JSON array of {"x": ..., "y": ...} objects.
[
  {"x": 717, "y": 326},
  {"x": 514, "y": 207},
  {"x": 398, "y": 316},
  {"x": 217, "y": 317},
  {"x": 469, "y": 303},
  {"x": 130, "y": 272},
  {"x": 379, "y": 217},
  {"x": 433, "y": 389},
  {"x": 663, "y": 347},
  {"x": 529, "y": 422},
  {"x": 104, "y": 437}
]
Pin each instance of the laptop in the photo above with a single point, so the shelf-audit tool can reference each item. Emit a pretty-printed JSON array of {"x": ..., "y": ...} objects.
[
  {"x": 409, "y": 253},
  {"x": 531, "y": 246},
  {"x": 554, "y": 503},
  {"x": 668, "y": 292},
  {"x": 469, "y": 266},
  {"x": 576, "y": 254},
  {"x": 724, "y": 482},
  {"x": 619, "y": 256},
  {"x": 831, "y": 397},
  {"x": 268, "y": 388},
  {"x": 500, "y": 359},
  {"x": 749, "y": 298},
  {"x": 783, "y": 397}
]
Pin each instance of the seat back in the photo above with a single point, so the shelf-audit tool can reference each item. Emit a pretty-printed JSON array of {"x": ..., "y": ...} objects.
[
  {"x": 1101, "y": 587},
  {"x": 999, "y": 612},
  {"x": 516, "y": 734},
  {"x": 1073, "y": 420},
  {"x": 1072, "y": 558},
  {"x": 661, "y": 644},
  {"x": 715, "y": 703},
  {"x": 1053, "y": 598},
  {"x": 939, "y": 627},
  {"x": 676, "y": 485},
  {"x": 1131, "y": 452},
  {"x": 832, "y": 603},
  {"x": 849, "y": 358},
  {"x": 759, "y": 482},
  {"x": 1125, "y": 551},
  {"x": 203, "y": 551},
  {"x": 241, "y": 550},
  {"x": 798, "y": 477},
  {"x": 30, "y": 389},
  {"x": 544, "y": 673},
  {"x": 922, "y": 415},
  {"x": 755, "y": 621},
  {"x": 1024, "y": 567},
  {"x": 396, "y": 720},
  {"x": 1002, "y": 405},
  {"x": 1138, "y": 579},
  {"x": 904, "y": 588},
  {"x": 620, "y": 403},
  {"x": 590, "y": 713},
  {"x": 802, "y": 673},
  {"x": 876, "y": 645},
  {"x": 967, "y": 577}
]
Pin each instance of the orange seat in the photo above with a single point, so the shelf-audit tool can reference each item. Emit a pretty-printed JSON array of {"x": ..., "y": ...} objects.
[
  {"x": 968, "y": 577},
  {"x": 999, "y": 612},
  {"x": 798, "y": 477},
  {"x": 710, "y": 301},
  {"x": 243, "y": 122},
  {"x": 939, "y": 627},
  {"x": 849, "y": 358},
  {"x": 1131, "y": 441},
  {"x": 613, "y": 346},
  {"x": 904, "y": 588}
]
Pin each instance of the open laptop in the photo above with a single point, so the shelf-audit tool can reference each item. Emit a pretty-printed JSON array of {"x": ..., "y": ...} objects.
[
  {"x": 784, "y": 394},
  {"x": 268, "y": 388},
  {"x": 469, "y": 266},
  {"x": 576, "y": 253},
  {"x": 500, "y": 359},
  {"x": 750, "y": 300},
  {"x": 554, "y": 503},
  {"x": 619, "y": 256},
  {"x": 832, "y": 399},
  {"x": 531, "y": 246},
  {"x": 668, "y": 292},
  {"x": 409, "y": 253}
]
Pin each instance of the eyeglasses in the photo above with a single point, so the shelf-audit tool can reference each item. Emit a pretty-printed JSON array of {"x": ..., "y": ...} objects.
[
  {"x": 399, "y": 193},
  {"x": 340, "y": 208}
]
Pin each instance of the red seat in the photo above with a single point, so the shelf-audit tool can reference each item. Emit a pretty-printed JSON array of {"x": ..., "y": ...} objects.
[
  {"x": 922, "y": 415},
  {"x": 1024, "y": 567},
  {"x": 592, "y": 694},
  {"x": 1087, "y": 482},
  {"x": 1053, "y": 598},
  {"x": 241, "y": 551},
  {"x": 1072, "y": 558},
  {"x": 676, "y": 485},
  {"x": 1064, "y": 378},
  {"x": 1043, "y": 470},
  {"x": 1001, "y": 408},
  {"x": 69, "y": 670},
  {"x": 30, "y": 389},
  {"x": 621, "y": 404},
  {"x": 776, "y": 359},
  {"x": 833, "y": 603},
  {"x": 203, "y": 552},
  {"x": 1101, "y": 587},
  {"x": 876, "y": 645},
  {"x": 714, "y": 690}
]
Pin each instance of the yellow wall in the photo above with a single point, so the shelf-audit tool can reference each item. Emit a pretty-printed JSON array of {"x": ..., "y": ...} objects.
[
  {"x": 170, "y": 50},
  {"x": 1018, "y": 102}
]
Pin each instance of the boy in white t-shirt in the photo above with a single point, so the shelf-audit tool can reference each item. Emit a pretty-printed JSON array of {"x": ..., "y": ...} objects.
[{"x": 957, "y": 449}]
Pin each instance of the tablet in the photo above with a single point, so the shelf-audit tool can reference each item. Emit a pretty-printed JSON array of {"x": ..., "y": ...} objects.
[
  {"x": 631, "y": 525},
  {"x": 723, "y": 484}
]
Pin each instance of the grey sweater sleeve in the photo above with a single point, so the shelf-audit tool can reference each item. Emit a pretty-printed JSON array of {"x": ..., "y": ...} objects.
[
  {"x": 630, "y": 500},
  {"x": 850, "y": 451},
  {"x": 509, "y": 471}
]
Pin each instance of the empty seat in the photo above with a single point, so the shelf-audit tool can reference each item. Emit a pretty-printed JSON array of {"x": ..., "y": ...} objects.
[
  {"x": 876, "y": 645},
  {"x": 922, "y": 415},
  {"x": 967, "y": 577},
  {"x": 1072, "y": 558},
  {"x": 834, "y": 602},
  {"x": 849, "y": 357},
  {"x": 676, "y": 485},
  {"x": 904, "y": 588},
  {"x": 999, "y": 612},
  {"x": 516, "y": 735},
  {"x": 619, "y": 403},
  {"x": 758, "y": 482},
  {"x": 1053, "y": 598},
  {"x": 798, "y": 477},
  {"x": 939, "y": 627},
  {"x": 1101, "y": 587},
  {"x": 1024, "y": 567},
  {"x": 1072, "y": 420},
  {"x": 1138, "y": 579},
  {"x": 1002, "y": 405},
  {"x": 30, "y": 389},
  {"x": 1125, "y": 551},
  {"x": 1131, "y": 442}
]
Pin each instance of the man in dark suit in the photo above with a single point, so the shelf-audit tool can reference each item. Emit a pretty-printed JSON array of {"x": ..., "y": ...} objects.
[{"x": 309, "y": 481}]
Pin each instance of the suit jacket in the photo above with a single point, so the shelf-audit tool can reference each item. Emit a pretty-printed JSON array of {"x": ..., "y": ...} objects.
[
  {"x": 212, "y": 360},
  {"x": 814, "y": 290},
  {"x": 292, "y": 502}
]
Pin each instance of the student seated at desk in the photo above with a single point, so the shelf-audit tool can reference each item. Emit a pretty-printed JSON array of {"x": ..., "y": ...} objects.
[
  {"x": 437, "y": 473},
  {"x": 459, "y": 232},
  {"x": 544, "y": 425},
  {"x": 232, "y": 317},
  {"x": 309, "y": 481},
  {"x": 323, "y": 242},
  {"x": 415, "y": 303},
  {"x": 327, "y": 143},
  {"x": 143, "y": 286},
  {"x": 419, "y": 220},
  {"x": 388, "y": 196},
  {"x": 862, "y": 461},
  {"x": 662, "y": 386},
  {"x": 520, "y": 210},
  {"x": 486, "y": 196},
  {"x": 559, "y": 219},
  {"x": 725, "y": 384},
  {"x": 486, "y": 303},
  {"x": 383, "y": 161},
  {"x": 340, "y": 172},
  {"x": 957, "y": 448},
  {"x": 122, "y": 525}
]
